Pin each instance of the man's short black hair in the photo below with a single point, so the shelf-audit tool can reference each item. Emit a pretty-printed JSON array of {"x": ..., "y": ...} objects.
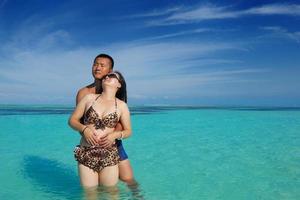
[{"x": 102, "y": 55}]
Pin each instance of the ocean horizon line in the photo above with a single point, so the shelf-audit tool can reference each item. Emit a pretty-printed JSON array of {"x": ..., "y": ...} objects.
[
  {"x": 46, "y": 109},
  {"x": 3, "y": 105}
]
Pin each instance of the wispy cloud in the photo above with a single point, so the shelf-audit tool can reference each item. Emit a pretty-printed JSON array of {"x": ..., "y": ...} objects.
[
  {"x": 213, "y": 12},
  {"x": 156, "y": 13},
  {"x": 34, "y": 33},
  {"x": 199, "y": 84},
  {"x": 186, "y": 33},
  {"x": 155, "y": 67},
  {"x": 37, "y": 59},
  {"x": 277, "y": 31},
  {"x": 42, "y": 62},
  {"x": 275, "y": 9},
  {"x": 160, "y": 73},
  {"x": 181, "y": 33}
]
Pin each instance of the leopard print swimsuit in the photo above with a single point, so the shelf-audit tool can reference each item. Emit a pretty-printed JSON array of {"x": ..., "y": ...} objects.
[{"x": 94, "y": 156}]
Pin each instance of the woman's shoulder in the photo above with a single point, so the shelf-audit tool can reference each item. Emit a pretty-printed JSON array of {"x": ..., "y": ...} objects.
[{"x": 121, "y": 103}]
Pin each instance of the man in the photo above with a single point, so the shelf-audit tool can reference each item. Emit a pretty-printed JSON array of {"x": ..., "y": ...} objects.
[{"x": 103, "y": 64}]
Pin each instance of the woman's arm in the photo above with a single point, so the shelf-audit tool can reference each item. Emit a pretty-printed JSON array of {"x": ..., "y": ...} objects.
[{"x": 74, "y": 121}]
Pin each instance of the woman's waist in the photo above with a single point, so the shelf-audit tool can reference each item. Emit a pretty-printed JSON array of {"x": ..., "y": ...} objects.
[{"x": 86, "y": 145}]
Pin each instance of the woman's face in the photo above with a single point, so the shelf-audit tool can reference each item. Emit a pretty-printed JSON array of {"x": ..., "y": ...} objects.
[{"x": 112, "y": 79}]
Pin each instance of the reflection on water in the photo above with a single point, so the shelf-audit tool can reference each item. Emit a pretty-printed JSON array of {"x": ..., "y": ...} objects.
[
  {"x": 59, "y": 181},
  {"x": 52, "y": 177}
]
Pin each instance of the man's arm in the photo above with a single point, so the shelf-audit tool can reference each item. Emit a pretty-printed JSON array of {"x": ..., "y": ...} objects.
[
  {"x": 121, "y": 130},
  {"x": 125, "y": 121},
  {"x": 80, "y": 94}
]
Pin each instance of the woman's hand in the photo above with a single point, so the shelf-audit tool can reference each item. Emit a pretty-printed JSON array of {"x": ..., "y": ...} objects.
[
  {"x": 90, "y": 136},
  {"x": 107, "y": 140}
]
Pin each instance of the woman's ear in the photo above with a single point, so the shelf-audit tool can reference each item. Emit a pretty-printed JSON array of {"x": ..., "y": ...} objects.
[{"x": 119, "y": 85}]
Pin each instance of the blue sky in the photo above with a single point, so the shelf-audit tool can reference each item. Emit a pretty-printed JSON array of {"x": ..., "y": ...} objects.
[{"x": 171, "y": 52}]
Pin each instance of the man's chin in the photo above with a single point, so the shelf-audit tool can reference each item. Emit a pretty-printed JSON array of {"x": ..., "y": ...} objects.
[{"x": 97, "y": 76}]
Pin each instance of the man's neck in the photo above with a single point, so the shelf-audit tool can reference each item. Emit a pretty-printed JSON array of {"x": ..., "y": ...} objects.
[{"x": 91, "y": 85}]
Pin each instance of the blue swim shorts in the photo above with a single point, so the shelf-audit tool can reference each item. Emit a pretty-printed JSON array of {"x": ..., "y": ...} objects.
[{"x": 123, "y": 155}]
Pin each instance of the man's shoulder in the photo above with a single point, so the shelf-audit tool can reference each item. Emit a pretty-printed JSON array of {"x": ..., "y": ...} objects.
[
  {"x": 89, "y": 89},
  {"x": 82, "y": 92}
]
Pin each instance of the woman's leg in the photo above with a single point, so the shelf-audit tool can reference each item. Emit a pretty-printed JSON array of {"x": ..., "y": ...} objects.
[
  {"x": 89, "y": 181},
  {"x": 109, "y": 176},
  {"x": 88, "y": 177}
]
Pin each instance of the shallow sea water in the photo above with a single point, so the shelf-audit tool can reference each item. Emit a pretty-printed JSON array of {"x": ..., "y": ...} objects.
[{"x": 176, "y": 153}]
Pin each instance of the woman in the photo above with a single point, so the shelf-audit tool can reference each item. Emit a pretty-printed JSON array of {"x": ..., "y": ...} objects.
[{"x": 101, "y": 113}]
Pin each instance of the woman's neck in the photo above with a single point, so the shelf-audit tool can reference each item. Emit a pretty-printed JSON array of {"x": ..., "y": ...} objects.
[{"x": 108, "y": 94}]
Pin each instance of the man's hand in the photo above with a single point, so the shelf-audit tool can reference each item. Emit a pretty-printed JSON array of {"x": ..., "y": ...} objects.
[{"x": 107, "y": 140}]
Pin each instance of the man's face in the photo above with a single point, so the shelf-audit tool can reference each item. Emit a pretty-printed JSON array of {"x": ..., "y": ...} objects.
[{"x": 101, "y": 67}]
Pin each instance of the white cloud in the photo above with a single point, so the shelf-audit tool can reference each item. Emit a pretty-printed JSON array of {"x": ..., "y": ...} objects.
[
  {"x": 150, "y": 68},
  {"x": 156, "y": 13},
  {"x": 193, "y": 83},
  {"x": 158, "y": 58},
  {"x": 282, "y": 32},
  {"x": 212, "y": 12},
  {"x": 275, "y": 9},
  {"x": 180, "y": 33},
  {"x": 36, "y": 65}
]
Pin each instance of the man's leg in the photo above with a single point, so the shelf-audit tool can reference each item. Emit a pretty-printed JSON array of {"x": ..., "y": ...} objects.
[
  {"x": 126, "y": 175},
  {"x": 126, "y": 172}
]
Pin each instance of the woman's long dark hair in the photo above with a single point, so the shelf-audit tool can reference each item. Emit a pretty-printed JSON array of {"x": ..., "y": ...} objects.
[
  {"x": 122, "y": 91},
  {"x": 98, "y": 86}
]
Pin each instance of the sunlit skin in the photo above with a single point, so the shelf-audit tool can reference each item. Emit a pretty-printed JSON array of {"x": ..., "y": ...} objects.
[
  {"x": 102, "y": 67},
  {"x": 106, "y": 104}
]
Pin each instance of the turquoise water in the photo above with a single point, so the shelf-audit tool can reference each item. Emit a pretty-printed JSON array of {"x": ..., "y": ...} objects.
[{"x": 176, "y": 153}]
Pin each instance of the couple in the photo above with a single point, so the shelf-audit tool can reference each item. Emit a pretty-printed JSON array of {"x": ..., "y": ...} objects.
[{"x": 103, "y": 119}]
